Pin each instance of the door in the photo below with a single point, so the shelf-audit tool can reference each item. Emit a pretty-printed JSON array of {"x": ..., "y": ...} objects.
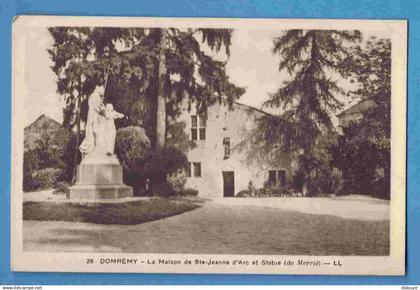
[
  {"x": 228, "y": 183},
  {"x": 282, "y": 177}
]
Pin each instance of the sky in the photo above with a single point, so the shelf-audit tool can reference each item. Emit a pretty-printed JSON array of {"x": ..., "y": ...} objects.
[
  {"x": 41, "y": 96},
  {"x": 251, "y": 65}
]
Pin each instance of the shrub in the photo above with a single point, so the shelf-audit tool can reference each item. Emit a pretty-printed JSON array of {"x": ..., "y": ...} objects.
[
  {"x": 336, "y": 181},
  {"x": 272, "y": 190},
  {"x": 165, "y": 161},
  {"x": 188, "y": 192},
  {"x": 61, "y": 187},
  {"x": 324, "y": 182},
  {"x": 69, "y": 148},
  {"x": 177, "y": 180},
  {"x": 50, "y": 152},
  {"x": 243, "y": 193},
  {"x": 362, "y": 152},
  {"x": 30, "y": 163},
  {"x": 162, "y": 189},
  {"x": 45, "y": 178},
  {"x": 269, "y": 190},
  {"x": 251, "y": 188},
  {"x": 132, "y": 147},
  {"x": 163, "y": 167}
]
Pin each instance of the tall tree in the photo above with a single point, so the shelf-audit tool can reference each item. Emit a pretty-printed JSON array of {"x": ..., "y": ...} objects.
[
  {"x": 368, "y": 139},
  {"x": 313, "y": 59},
  {"x": 68, "y": 52},
  {"x": 161, "y": 98}
]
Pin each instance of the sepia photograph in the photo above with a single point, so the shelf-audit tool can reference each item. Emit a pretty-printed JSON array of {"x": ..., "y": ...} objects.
[{"x": 208, "y": 145}]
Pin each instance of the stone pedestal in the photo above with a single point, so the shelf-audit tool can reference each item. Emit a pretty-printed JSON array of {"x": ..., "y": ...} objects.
[{"x": 100, "y": 178}]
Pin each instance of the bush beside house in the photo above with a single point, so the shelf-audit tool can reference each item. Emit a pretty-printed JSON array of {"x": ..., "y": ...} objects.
[
  {"x": 150, "y": 172},
  {"x": 48, "y": 156}
]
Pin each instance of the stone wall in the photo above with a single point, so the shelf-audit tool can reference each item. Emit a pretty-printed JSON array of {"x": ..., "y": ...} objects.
[{"x": 234, "y": 124}]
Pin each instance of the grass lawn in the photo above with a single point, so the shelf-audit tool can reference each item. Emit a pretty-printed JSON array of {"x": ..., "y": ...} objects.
[
  {"x": 127, "y": 213},
  {"x": 211, "y": 229}
]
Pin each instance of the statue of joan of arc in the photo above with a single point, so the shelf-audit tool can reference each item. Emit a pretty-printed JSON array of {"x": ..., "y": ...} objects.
[
  {"x": 100, "y": 127},
  {"x": 93, "y": 142}
]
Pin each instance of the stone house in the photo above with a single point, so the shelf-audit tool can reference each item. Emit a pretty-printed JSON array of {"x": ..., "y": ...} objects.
[
  {"x": 219, "y": 167},
  {"x": 41, "y": 128},
  {"x": 354, "y": 113}
]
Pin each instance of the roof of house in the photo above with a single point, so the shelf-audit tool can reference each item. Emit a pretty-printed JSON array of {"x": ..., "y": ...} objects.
[
  {"x": 42, "y": 125},
  {"x": 358, "y": 108},
  {"x": 252, "y": 108},
  {"x": 41, "y": 120}
]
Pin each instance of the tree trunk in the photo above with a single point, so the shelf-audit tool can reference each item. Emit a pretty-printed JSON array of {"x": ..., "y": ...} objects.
[
  {"x": 161, "y": 100},
  {"x": 76, "y": 147}
]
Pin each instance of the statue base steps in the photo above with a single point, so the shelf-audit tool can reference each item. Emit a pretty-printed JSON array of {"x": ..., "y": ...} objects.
[
  {"x": 93, "y": 192},
  {"x": 99, "y": 179}
]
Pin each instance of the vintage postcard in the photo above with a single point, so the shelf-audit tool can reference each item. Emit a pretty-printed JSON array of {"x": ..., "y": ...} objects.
[{"x": 187, "y": 145}]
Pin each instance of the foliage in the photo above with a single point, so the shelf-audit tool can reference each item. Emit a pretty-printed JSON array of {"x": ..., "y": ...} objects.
[
  {"x": 368, "y": 139},
  {"x": 132, "y": 147},
  {"x": 163, "y": 189},
  {"x": 243, "y": 193},
  {"x": 177, "y": 180},
  {"x": 364, "y": 162},
  {"x": 269, "y": 190},
  {"x": 188, "y": 192},
  {"x": 45, "y": 178},
  {"x": 163, "y": 162},
  {"x": 83, "y": 56},
  {"x": 323, "y": 181},
  {"x": 141, "y": 69},
  {"x": 47, "y": 151},
  {"x": 310, "y": 57},
  {"x": 50, "y": 151},
  {"x": 129, "y": 213},
  {"x": 141, "y": 162},
  {"x": 313, "y": 59},
  {"x": 61, "y": 188},
  {"x": 177, "y": 136},
  {"x": 316, "y": 172},
  {"x": 30, "y": 163},
  {"x": 68, "y": 147},
  {"x": 370, "y": 68},
  {"x": 251, "y": 188}
]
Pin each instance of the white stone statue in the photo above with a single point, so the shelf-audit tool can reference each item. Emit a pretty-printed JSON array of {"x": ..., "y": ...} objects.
[{"x": 100, "y": 127}]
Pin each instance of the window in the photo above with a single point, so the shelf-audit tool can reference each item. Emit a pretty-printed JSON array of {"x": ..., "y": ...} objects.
[
  {"x": 194, "y": 127},
  {"x": 277, "y": 177},
  {"x": 226, "y": 145},
  {"x": 197, "y": 169},
  {"x": 202, "y": 133},
  {"x": 272, "y": 177},
  {"x": 281, "y": 174},
  {"x": 202, "y": 121},
  {"x": 198, "y": 127}
]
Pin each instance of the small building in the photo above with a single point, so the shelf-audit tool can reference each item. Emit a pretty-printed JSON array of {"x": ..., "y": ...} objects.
[
  {"x": 355, "y": 112},
  {"x": 219, "y": 167},
  {"x": 39, "y": 129}
]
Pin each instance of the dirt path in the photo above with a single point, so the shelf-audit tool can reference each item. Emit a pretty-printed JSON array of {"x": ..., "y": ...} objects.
[{"x": 218, "y": 228}]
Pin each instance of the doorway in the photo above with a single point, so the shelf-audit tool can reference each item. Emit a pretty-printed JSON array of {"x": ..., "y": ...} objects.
[{"x": 228, "y": 183}]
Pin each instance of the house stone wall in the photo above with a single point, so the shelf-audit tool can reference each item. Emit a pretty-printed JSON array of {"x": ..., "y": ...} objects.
[{"x": 235, "y": 124}]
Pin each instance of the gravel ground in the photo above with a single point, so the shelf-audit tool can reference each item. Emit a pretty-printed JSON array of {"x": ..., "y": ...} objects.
[
  {"x": 348, "y": 207},
  {"x": 230, "y": 226}
]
